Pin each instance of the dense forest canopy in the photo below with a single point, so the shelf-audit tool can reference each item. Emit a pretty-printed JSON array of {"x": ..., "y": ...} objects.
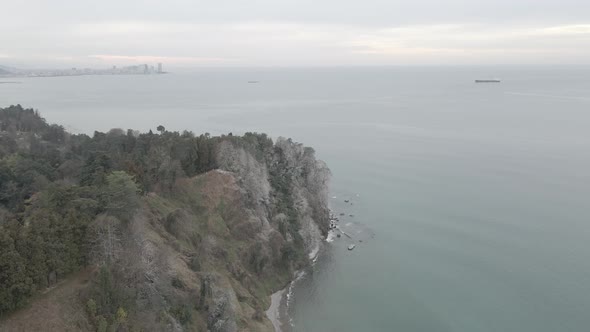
[
  {"x": 34, "y": 154},
  {"x": 60, "y": 193}
]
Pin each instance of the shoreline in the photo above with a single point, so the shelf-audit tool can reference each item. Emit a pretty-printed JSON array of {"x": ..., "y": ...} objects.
[
  {"x": 274, "y": 311},
  {"x": 278, "y": 311}
]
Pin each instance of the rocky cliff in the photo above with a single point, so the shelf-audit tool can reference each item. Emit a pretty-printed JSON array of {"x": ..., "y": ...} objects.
[
  {"x": 225, "y": 240},
  {"x": 167, "y": 232}
]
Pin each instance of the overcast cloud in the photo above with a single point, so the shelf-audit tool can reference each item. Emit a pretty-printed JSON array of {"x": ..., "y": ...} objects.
[{"x": 293, "y": 33}]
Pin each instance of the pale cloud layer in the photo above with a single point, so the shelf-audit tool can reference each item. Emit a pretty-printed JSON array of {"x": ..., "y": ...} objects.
[{"x": 294, "y": 33}]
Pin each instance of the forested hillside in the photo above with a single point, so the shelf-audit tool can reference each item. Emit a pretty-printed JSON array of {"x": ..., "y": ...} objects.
[{"x": 72, "y": 201}]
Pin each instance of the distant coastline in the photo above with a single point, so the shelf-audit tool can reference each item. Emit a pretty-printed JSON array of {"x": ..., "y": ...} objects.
[{"x": 143, "y": 69}]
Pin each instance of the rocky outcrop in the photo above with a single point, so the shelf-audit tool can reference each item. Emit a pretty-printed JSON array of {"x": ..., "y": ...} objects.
[
  {"x": 214, "y": 250},
  {"x": 297, "y": 176},
  {"x": 285, "y": 190}
]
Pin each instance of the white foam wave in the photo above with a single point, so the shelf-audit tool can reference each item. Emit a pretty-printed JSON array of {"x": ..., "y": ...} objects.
[
  {"x": 313, "y": 255},
  {"x": 331, "y": 236},
  {"x": 298, "y": 277}
]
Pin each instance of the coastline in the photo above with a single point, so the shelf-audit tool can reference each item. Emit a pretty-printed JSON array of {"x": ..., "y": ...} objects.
[
  {"x": 277, "y": 305},
  {"x": 278, "y": 311}
]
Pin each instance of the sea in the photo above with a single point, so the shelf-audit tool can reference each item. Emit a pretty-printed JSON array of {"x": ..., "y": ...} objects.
[{"x": 468, "y": 204}]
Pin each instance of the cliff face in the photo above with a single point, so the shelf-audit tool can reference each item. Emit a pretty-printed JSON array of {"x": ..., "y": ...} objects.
[
  {"x": 288, "y": 186},
  {"x": 191, "y": 252},
  {"x": 222, "y": 242}
]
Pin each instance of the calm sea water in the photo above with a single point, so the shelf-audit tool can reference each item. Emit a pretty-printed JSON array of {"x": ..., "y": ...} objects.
[{"x": 472, "y": 200}]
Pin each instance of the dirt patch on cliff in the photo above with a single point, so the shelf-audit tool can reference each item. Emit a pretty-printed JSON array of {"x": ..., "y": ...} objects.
[{"x": 218, "y": 186}]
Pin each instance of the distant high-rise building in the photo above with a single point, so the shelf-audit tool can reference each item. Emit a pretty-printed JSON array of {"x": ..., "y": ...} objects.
[{"x": 160, "y": 67}]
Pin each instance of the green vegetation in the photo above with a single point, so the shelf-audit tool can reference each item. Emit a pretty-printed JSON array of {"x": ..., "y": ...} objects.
[
  {"x": 71, "y": 201},
  {"x": 54, "y": 187}
]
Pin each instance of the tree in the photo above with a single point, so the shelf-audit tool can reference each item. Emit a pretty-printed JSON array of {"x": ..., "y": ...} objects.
[
  {"x": 15, "y": 286},
  {"x": 102, "y": 325},
  {"x": 95, "y": 170},
  {"x": 121, "y": 198},
  {"x": 91, "y": 307},
  {"x": 121, "y": 315},
  {"x": 105, "y": 294},
  {"x": 104, "y": 238}
]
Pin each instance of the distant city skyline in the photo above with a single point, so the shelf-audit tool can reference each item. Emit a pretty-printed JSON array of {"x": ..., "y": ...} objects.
[
  {"x": 141, "y": 69},
  {"x": 184, "y": 33}
]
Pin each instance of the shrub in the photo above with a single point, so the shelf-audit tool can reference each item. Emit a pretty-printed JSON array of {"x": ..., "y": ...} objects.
[
  {"x": 182, "y": 313},
  {"x": 121, "y": 315},
  {"x": 102, "y": 325},
  {"x": 177, "y": 283},
  {"x": 194, "y": 264},
  {"x": 91, "y": 307}
]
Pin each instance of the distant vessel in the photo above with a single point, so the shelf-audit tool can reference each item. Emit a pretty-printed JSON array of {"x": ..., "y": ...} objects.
[
  {"x": 488, "y": 81},
  {"x": 253, "y": 81}
]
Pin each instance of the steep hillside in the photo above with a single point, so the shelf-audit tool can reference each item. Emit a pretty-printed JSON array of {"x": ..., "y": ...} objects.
[{"x": 182, "y": 232}]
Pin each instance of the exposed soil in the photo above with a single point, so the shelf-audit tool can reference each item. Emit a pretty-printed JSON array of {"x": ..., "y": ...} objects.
[{"x": 55, "y": 309}]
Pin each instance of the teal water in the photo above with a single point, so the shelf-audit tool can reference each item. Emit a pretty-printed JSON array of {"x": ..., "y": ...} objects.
[{"x": 472, "y": 200}]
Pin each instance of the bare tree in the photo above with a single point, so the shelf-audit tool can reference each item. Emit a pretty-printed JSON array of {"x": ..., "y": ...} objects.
[{"x": 105, "y": 239}]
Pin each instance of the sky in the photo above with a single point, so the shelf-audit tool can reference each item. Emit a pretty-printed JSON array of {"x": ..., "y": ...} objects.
[{"x": 196, "y": 33}]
